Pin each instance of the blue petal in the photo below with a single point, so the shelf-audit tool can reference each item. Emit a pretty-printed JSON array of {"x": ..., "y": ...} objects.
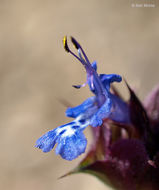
[
  {"x": 76, "y": 111},
  {"x": 108, "y": 79},
  {"x": 47, "y": 141},
  {"x": 72, "y": 146},
  {"x": 103, "y": 112},
  {"x": 121, "y": 111},
  {"x": 69, "y": 137}
]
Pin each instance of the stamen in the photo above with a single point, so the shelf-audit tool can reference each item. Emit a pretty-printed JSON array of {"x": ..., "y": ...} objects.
[
  {"x": 65, "y": 44},
  {"x": 80, "y": 55},
  {"x": 78, "y": 46},
  {"x": 75, "y": 43}
]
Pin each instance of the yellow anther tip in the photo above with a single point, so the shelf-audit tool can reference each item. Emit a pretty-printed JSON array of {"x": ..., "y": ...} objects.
[
  {"x": 64, "y": 40},
  {"x": 65, "y": 43}
]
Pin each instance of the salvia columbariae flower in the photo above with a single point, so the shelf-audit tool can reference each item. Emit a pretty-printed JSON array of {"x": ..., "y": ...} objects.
[
  {"x": 70, "y": 139},
  {"x": 125, "y": 149}
]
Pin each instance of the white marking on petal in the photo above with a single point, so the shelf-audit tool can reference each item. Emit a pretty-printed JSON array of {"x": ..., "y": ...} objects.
[
  {"x": 69, "y": 132},
  {"x": 68, "y": 128}
]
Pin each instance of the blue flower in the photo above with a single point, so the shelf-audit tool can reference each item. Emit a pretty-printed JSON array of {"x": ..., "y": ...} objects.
[{"x": 70, "y": 139}]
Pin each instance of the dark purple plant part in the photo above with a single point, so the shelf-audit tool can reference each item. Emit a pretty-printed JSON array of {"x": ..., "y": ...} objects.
[{"x": 127, "y": 156}]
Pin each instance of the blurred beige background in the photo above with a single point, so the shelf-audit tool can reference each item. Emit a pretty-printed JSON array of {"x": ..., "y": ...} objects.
[{"x": 35, "y": 73}]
